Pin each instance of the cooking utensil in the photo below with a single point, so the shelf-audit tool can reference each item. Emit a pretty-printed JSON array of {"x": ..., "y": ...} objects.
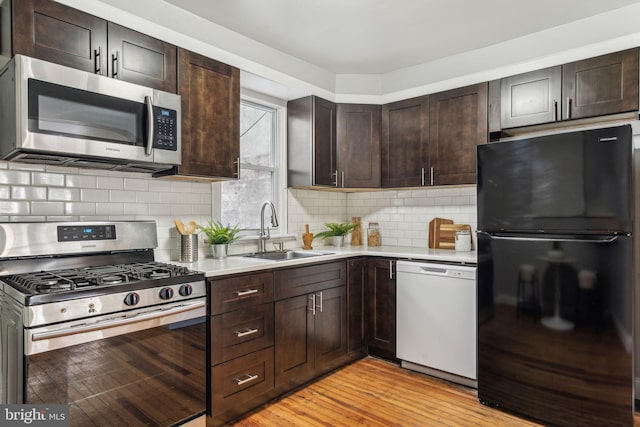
[
  {"x": 191, "y": 227},
  {"x": 179, "y": 226}
]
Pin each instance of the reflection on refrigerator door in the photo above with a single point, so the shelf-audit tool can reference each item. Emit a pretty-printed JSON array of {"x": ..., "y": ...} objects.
[{"x": 555, "y": 328}]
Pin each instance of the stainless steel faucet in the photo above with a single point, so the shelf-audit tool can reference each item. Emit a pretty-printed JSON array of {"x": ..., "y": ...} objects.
[{"x": 265, "y": 234}]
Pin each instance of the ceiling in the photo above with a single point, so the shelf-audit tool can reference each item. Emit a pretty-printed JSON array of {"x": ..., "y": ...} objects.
[{"x": 380, "y": 36}]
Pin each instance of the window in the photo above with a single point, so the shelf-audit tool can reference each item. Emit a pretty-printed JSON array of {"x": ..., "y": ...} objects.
[{"x": 240, "y": 200}]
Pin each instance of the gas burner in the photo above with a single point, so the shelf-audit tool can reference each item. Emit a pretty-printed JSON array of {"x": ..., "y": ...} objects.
[
  {"x": 159, "y": 274},
  {"x": 111, "y": 280}
]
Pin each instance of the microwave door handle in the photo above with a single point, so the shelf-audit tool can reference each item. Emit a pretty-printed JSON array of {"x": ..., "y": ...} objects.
[{"x": 149, "y": 104}]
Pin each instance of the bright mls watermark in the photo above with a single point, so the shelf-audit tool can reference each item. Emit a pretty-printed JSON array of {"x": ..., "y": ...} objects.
[{"x": 34, "y": 415}]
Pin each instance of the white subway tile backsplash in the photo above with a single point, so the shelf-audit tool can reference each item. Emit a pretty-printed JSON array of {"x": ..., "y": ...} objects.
[
  {"x": 14, "y": 208},
  {"x": 23, "y": 166},
  {"x": 5, "y": 192},
  {"x": 94, "y": 195},
  {"x": 136, "y": 184},
  {"x": 122, "y": 196},
  {"x": 180, "y": 187},
  {"x": 47, "y": 208},
  {"x": 79, "y": 208},
  {"x": 110, "y": 183},
  {"x": 160, "y": 209},
  {"x": 81, "y": 181},
  {"x": 136, "y": 209},
  {"x": 27, "y": 193},
  {"x": 109, "y": 209},
  {"x": 160, "y": 185},
  {"x": 147, "y": 197},
  {"x": 15, "y": 177},
  {"x": 64, "y": 194},
  {"x": 48, "y": 179}
]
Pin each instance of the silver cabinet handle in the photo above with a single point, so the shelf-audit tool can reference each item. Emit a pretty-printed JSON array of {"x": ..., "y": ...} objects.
[
  {"x": 319, "y": 295},
  {"x": 150, "y": 131},
  {"x": 568, "y": 107},
  {"x": 422, "y": 180},
  {"x": 246, "y": 292},
  {"x": 342, "y": 175},
  {"x": 114, "y": 65},
  {"x": 97, "y": 58},
  {"x": 247, "y": 378},
  {"x": 390, "y": 269},
  {"x": 312, "y": 298},
  {"x": 246, "y": 332},
  {"x": 237, "y": 172},
  {"x": 433, "y": 176}
]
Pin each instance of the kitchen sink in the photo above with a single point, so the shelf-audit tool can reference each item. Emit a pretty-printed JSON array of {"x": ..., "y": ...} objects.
[{"x": 285, "y": 255}]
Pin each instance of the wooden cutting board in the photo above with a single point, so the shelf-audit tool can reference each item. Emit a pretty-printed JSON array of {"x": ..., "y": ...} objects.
[
  {"x": 434, "y": 230},
  {"x": 447, "y": 235}
]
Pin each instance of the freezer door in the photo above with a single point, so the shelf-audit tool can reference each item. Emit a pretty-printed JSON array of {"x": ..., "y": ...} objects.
[
  {"x": 569, "y": 182},
  {"x": 555, "y": 323}
]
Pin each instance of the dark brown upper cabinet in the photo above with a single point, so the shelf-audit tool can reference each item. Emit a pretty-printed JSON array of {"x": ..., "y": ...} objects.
[
  {"x": 531, "y": 98},
  {"x": 457, "y": 124},
  {"x": 358, "y": 144},
  {"x": 311, "y": 145},
  {"x": 405, "y": 143},
  {"x": 210, "y": 92},
  {"x": 599, "y": 86},
  {"x": 51, "y": 31},
  {"x": 602, "y": 85}
]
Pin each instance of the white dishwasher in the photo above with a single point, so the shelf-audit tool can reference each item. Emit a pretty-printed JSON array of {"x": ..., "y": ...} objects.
[{"x": 436, "y": 320}]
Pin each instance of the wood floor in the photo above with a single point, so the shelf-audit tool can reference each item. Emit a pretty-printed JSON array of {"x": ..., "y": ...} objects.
[{"x": 372, "y": 392}]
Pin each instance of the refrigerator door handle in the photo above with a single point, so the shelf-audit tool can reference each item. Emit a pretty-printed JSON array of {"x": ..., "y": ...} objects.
[{"x": 599, "y": 239}]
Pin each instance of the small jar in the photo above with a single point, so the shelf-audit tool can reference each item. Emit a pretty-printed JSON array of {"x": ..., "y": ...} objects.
[{"x": 373, "y": 235}]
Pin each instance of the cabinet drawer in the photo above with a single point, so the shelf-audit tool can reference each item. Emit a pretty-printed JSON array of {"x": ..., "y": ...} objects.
[
  {"x": 240, "y": 332},
  {"x": 304, "y": 280},
  {"x": 242, "y": 384},
  {"x": 240, "y": 291}
]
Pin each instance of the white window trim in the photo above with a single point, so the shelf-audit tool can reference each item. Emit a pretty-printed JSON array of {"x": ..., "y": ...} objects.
[{"x": 280, "y": 191}]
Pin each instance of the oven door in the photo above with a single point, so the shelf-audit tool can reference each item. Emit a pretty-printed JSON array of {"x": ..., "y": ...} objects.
[{"x": 144, "y": 367}]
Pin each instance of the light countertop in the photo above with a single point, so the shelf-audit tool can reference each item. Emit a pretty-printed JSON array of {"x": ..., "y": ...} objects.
[{"x": 235, "y": 264}]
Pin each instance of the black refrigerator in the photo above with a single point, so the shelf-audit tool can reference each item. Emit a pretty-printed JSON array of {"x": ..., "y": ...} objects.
[{"x": 555, "y": 277}]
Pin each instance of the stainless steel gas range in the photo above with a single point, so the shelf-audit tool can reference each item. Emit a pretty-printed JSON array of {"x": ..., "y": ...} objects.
[{"x": 89, "y": 319}]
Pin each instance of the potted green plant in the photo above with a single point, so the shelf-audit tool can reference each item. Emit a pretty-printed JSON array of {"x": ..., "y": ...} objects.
[
  {"x": 336, "y": 231},
  {"x": 219, "y": 237}
]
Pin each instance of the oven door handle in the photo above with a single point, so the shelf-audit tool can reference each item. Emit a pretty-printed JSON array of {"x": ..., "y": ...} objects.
[
  {"x": 37, "y": 342},
  {"x": 149, "y": 143}
]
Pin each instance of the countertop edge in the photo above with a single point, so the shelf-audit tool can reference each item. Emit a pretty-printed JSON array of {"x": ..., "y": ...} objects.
[{"x": 236, "y": 264}]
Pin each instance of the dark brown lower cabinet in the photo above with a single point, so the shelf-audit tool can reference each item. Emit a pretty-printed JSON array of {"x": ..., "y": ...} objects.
[
  {"x": 356, "y": 290},
  {"x": 381, "y": 307},
  {"x": 311, "y": 328}
]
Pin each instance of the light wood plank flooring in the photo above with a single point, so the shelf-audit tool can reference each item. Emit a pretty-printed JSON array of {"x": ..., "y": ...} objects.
[{"x": 372, "y": 392}]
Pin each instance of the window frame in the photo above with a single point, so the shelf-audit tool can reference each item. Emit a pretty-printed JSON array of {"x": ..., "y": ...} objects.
[{"x": 279, "y": 160}]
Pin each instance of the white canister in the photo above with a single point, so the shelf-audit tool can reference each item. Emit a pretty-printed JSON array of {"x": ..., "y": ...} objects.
[{"x": 463, "y": 240}]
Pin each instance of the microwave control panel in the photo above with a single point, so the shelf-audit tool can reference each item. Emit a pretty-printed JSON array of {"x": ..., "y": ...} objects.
[{"x": 165, "y": 129}]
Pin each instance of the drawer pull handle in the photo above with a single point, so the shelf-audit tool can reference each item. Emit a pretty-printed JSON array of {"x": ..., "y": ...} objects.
[
  {"x": 246, "y": 332},
  {"x": 247, "y": 378},
  {"x": 246, "y": 292}
]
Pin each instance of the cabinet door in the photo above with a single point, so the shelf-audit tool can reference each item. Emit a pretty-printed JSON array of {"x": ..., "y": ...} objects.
[
  {"x": 606, "y": 84},
  {"x": 137, "y": 58},
  {"x": 330, "y": 326},
  {"x": 294, "y": 345},
  {"x": 405, "y": 142},
  {"x": 381, "y": 308},
  {"x": 458, "y": 122},
  {"x": 358, "y": 145},
  {"x": 51, "y": 31},
  {"x": 210, "y": 92},
  {"x": 324, "y": 142},
  {"x": 356, "y": 289},
  {"x": 531, "y": 98}
]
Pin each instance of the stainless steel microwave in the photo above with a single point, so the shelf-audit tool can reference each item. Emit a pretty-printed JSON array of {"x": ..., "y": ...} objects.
[{"x": 56, "y": 115}]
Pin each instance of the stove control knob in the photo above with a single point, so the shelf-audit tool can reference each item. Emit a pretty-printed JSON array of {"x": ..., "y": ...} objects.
[
  {"x": 166, "y": 293},
  {"x": 131, "y": 298},
  {"x": 185, "y": 290}
]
